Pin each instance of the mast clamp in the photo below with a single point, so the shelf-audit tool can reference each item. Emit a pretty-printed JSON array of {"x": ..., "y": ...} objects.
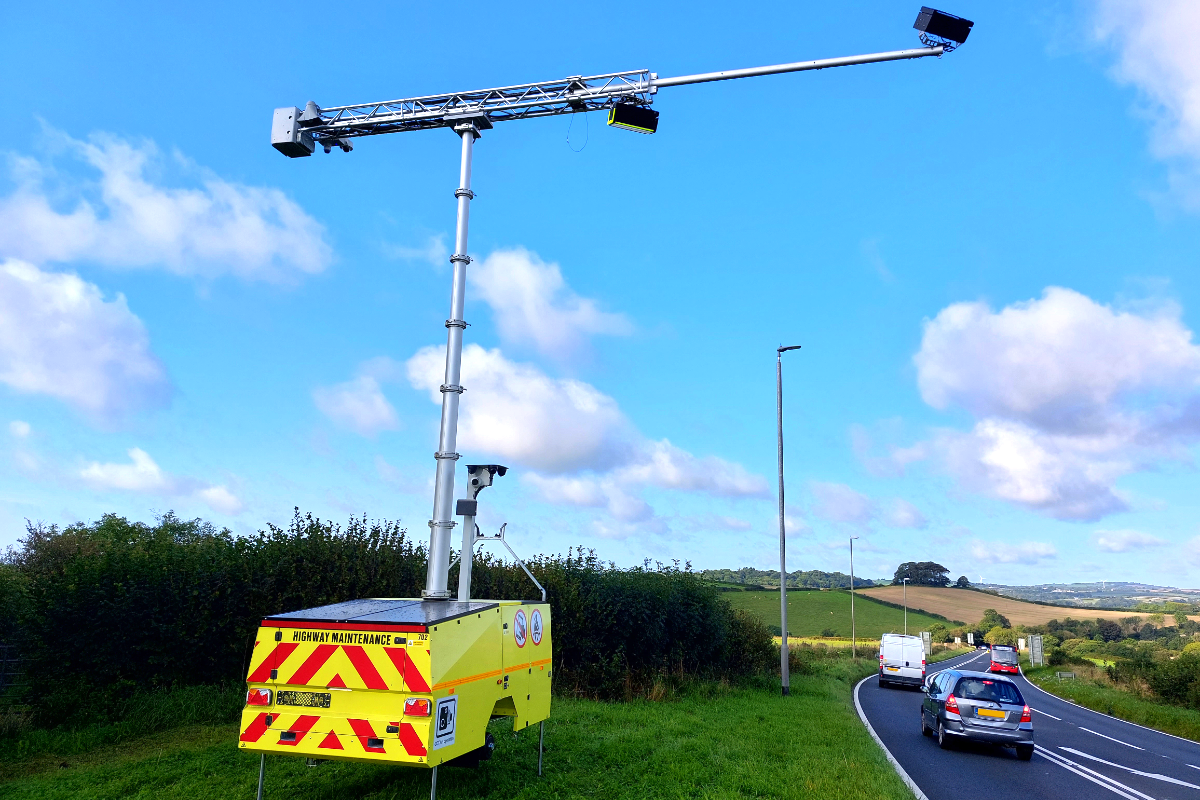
[
  {"x": 463, "y": 257},
  {"x": 456, "y": 323},
  {"x": 442, "y": 523},
  {"x": 467, "y": 193},
  {"x": 452, "y": 387},
  {"x": 444, "y": 454}
]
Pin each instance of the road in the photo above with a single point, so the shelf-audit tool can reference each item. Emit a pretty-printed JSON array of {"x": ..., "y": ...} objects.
[{"x": 1080, "y": 755}]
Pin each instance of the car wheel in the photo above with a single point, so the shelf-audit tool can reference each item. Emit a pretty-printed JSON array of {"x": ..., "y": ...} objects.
[
  {"x": 882, "y": 682},
  {"x": 1024, "y": 751},
  {"x": 924, "y": 728},
  {"x": 943, "y": 739}
]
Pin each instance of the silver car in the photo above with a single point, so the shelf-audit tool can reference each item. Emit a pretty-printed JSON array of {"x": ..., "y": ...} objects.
[{"x": 978, "y": 706}]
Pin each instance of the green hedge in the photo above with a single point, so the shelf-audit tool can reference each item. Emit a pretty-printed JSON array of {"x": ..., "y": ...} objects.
[{"x": 109, "y": 608}]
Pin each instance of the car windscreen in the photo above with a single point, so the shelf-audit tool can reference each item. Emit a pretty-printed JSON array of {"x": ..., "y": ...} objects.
[
  {"x": 988, "y": 690},
  {"x": 1004, "y": 656}
]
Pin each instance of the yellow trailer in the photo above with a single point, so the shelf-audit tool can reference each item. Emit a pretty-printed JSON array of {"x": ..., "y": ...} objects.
[{"x": 396, "y": 681}]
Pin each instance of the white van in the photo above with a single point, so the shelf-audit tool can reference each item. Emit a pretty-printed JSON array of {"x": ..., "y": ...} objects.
[{"x": 901, "y": 660}]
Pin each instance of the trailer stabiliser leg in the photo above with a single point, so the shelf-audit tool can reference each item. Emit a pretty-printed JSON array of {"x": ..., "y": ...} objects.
[
  {"x": 433, "y": 785},
  {"x": 262, "y": 765},
  {"x": 541, "y": 738}
]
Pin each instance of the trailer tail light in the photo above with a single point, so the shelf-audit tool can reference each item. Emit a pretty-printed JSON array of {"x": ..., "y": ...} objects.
[
  {"x": 417, "y": 707},
  {"x": 258, "y": 697},
  {"x": 951, "y": 705},
  {"x": 1026, "y": 716}
]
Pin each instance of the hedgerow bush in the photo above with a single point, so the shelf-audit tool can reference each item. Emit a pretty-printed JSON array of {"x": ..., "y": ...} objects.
[{"x": 112, "y": 607}]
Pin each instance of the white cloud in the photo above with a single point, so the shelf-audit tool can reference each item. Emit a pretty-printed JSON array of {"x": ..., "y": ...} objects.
[
  {"x": 1124, "y": 541},
  {"x": 357, "y": 404},
  {"x": 1007, "y": 552},
  {"x": 140, "y": 475},
  {"x": 59, "y": 337},
  {"x": 903, "y": 514},
  {"x": 221, "y": 500},
  {"x": 512, "y": 410},
  {"x": 837, "y": 502},
  {"x": 144, "y": 476},
  {"x": 1191, "y": 551},
  {"x": 533, "y": 305},
  {"x": 1068, "y": 395},
  {"x": 574, "y": 443},
  {"x": 124, "y": 218},
  {"x": 433, "y": 252},
  {"x": 1155, "y": 44},
  {"x": 19, "y": 429}
]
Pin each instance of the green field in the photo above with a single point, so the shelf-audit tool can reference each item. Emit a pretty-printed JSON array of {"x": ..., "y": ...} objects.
[
  {"x": 715, "y": 741},
  {"x": 809, "y": 613}
]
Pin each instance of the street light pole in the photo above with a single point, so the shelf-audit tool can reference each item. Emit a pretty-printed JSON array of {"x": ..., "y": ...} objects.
[
  {"x": 853, "y": 630},
  {"x": 905, "y": 581},
  {"x": 783, "y": 626}
]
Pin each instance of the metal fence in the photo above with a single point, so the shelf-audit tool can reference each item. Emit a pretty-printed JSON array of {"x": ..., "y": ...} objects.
[{"x": 13, "y": 678}]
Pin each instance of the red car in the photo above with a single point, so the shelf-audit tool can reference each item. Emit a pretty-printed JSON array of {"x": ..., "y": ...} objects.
[{"x": 1004, "y": 659}]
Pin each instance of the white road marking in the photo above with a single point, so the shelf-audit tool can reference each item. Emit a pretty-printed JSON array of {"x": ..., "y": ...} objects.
[
  {"x": 1111, "y": 739},
  {"x": 1116, "y": 787},
  {"x": 1118, "y": 719},
  {"x": 1154, "y": 775},
  {"x": 1043, "y": 713}
]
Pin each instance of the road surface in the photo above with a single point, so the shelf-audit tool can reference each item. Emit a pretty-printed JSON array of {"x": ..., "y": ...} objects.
[{"x": 1080, "y": 754}]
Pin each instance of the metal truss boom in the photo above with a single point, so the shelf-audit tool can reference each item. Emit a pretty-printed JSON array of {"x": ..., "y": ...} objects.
[{"x": 529, "y": 100}]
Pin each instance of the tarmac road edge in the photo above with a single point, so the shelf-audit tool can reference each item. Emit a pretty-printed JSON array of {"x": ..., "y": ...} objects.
[{"x": 904, "y": 776}]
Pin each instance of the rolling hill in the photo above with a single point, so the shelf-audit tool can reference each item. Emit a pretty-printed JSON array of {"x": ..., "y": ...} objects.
[{"x": 968, "y": 605}]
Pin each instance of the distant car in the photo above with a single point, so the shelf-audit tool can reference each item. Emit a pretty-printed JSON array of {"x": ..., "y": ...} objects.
[
  {"x": 901, "y": 660},
  {"x": 1004, "y": 660},
  {"x": 962, "y": 705}
]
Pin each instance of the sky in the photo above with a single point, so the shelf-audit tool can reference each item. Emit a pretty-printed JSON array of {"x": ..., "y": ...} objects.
[{"x": 989, "y": 258}]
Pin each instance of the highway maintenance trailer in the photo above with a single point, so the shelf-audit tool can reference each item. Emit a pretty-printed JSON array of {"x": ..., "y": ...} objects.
[{"x": 396, "y": 681}]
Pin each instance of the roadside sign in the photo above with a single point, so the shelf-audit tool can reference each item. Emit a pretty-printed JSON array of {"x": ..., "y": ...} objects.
[
  {"x": 957, "y": 641},
  {"x": 970, "y": 638},
  {"x": 1020, "y": 644},
  {"x": 1037, "y": 656},
  {"x": 927, "y": 642}
]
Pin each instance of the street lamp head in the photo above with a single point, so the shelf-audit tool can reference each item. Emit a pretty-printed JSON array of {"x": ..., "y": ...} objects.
[
  {"x": 938, "y": 28},
  {"x": 782, "y": 350}
]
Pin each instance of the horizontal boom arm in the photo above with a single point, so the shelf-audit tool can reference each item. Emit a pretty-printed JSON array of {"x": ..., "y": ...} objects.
[{"x": 529, "y": 100}]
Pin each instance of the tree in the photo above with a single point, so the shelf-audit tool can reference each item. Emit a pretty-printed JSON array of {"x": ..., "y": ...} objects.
[
  {"x": 999, "y": 635},
  {"x": 1180, "y": 619},
  {"x": 922, "y": 573},
  {"x": 993, "y": 618},
  {"x": 1109, "y": 630},
  {"x": 962, "y": 582}
]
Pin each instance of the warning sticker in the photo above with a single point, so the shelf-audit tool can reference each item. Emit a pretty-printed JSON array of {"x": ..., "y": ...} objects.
[
  {"x": 443, "y": 724},
  {"x": 535, "y": 626},
  {"x": 520, "y": 628}
]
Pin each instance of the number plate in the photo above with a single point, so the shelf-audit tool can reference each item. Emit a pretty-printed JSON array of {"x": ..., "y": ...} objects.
[
  {"x": 303, "y": 699},
  {"x": 987, "y": 712}
]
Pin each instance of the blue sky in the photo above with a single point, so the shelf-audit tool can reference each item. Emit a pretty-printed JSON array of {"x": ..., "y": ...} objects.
[{"x": 990, "y": 260}]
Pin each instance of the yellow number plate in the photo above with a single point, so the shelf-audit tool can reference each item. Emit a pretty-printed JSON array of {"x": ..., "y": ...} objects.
[{"x": 987, "y": 712}]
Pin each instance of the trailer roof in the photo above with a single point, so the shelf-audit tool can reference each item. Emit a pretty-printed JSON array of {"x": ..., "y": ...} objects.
[{"x": 383, "y": 610}]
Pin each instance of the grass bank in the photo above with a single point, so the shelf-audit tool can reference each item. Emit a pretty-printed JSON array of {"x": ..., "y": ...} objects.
[
  {"x": 1092, "y": 689},
  {"x": 714, "y": 741},
  {"x": 811, "y": 613}
]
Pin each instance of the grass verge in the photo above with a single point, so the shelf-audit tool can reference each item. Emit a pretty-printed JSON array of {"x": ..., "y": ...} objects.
[
  {"x": 714, "y": 741},
  {"x": 1091, "y": 689}
]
